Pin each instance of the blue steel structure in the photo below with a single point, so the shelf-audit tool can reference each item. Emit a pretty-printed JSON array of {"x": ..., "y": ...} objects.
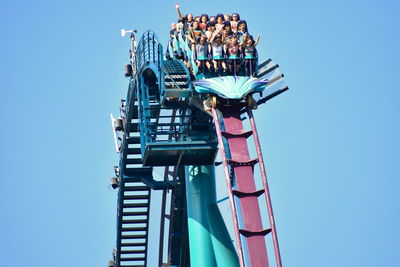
[{"x": 163, "y": 124}]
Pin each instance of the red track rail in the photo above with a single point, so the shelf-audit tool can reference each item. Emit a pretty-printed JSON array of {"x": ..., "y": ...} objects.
[{"x": 233, "y": 142}]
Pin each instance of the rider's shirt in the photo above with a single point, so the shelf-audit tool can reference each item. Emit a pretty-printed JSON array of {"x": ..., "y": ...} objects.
[
  {"x": 249, "y": 52},
  {"x": 233, "y": 51},
  {"x": 202, "y": 51},
  {"x": 217, "y": 51}
]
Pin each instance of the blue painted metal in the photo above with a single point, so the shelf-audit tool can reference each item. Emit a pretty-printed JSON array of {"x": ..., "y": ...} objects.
[
  {"x": 155, "y": 80},
  {"x": 210, "y": 243},
  {"x": 231, "y": 87},
  {"x": 163, "y": 119}
]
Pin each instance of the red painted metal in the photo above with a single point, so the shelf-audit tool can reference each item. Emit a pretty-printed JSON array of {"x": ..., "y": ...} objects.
[
  {"x": 266, "y": 189},
  {"x": 246, "y": 192},
  {"x": 228, "y": 182},
  {"x": 244, "y": 174}
]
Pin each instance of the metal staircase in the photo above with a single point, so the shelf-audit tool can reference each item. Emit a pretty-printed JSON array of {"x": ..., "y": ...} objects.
[
  {"x": 163, "y": 125},
  {"x": 133, "y": 196},
  {"x": 133, "y": 223}
]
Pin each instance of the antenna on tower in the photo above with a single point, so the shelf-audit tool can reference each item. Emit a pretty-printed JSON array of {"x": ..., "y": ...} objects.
[{"x": 124, "y": 32}]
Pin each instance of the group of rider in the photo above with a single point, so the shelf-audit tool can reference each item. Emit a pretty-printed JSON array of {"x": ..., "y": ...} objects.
[{"x": 222, "y": 39}]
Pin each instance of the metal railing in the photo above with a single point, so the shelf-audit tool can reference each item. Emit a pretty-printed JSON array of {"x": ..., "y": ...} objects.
[{"x": 149, "y": 50}]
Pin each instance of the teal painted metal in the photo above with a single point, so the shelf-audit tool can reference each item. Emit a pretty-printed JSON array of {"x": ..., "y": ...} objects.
[
  {"x": 232, "y": 87},
  {"x": 155, "y": 81},
  {"x": 210, "y": 243}
]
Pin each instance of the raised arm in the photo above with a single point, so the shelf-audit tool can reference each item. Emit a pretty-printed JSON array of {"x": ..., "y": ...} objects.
[
  {"x": 258, "y": 39},
  {"x": 212, "y": 37},
  {"x": 215, "y": 33},
  {"x": 177, "y": 6}
]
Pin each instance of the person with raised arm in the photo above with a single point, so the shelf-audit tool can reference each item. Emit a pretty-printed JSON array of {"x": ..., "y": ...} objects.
[
  {"x": 217, "y": 48},
  {"x": 186, "y": 20},
  {"x": 232, "y": 48},
  {"x": 194, "y": 34},
  {"x": 250, "y": 53}
]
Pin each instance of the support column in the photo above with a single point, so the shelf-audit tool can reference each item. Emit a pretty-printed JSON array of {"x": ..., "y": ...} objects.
[{"x": 209, "y": 240}]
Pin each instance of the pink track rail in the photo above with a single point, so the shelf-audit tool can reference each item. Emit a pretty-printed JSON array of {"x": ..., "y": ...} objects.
[{"x": 234, "y": 139}]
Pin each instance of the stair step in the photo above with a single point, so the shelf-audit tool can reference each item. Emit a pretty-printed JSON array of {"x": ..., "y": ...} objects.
[
  {"x": 140, "y": 244},
  {"x": 133, "y": 236},
  {"x": 133, "y": 229},
  {"x": 134, "y": 150},
  {"x": 136, "y": 205},
  {"x": 133, "y": 259},
  {"x": 133, "y": 140},
  {"x": 135, "y": 171},
  {"x": 133, "y": 180},
  {"x": 134, "y": 161},
  {"x": 135, "y": 221},
  {"x": 134, "y": 127},
  {"x": 180, "y": 80},
  {"x": 133, "y": 251},
  {"x": 138, "y": 172},
  {"x": 175, "y": 75},
  {"x": 136, "y": 188},
  {"x": 135, "y": 213},
  {"x": 136, "y": 197}
]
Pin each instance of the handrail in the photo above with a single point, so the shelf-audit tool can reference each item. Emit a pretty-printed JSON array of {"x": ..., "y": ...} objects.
[{"x": 149, "y": 50}]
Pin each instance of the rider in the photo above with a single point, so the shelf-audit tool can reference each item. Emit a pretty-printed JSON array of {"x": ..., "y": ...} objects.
[
  {"x": 186, "y": 20},
  {"x": 249, "y": 50}
]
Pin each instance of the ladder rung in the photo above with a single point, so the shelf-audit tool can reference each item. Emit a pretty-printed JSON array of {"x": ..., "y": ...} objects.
[
  {"x": 248, "y": 194},
  {"x": 135, "y": 213},
  {"x": 133, "y": 259},
  {"x": 133, "y": 140},
  {"x": 133, "y": 127},
  {"x": 237, "y": 135},
  {"x": 141, "y": 244},
  {"x": 136, "y": 188},
  {"x": 133, "y": 236},
  {"x": 134, "y": 161},
  {"x": 133, "y": 251},
  {"x": 235, "y": 163},
  {"x": 248, "y": 233},
  {"x": 133, "y": 229},
  {"x": 134, "y": 150},
  {"x": 136, "y": 205},
  {"x": 130, "y": 197},
  {"x": 135, "y": 221},
  {"x": 133, "y": 180},
  {"x": 138, "y": 171}
]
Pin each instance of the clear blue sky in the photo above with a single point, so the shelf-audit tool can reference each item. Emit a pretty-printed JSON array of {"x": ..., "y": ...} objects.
[{"x": 331, "y": 143}]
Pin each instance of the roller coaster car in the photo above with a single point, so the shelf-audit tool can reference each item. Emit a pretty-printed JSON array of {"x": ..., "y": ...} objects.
[{"x": 267, "y": 82}]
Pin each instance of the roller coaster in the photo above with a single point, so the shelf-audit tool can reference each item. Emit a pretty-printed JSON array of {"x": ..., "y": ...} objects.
[{"x": 164, "y": 127}]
